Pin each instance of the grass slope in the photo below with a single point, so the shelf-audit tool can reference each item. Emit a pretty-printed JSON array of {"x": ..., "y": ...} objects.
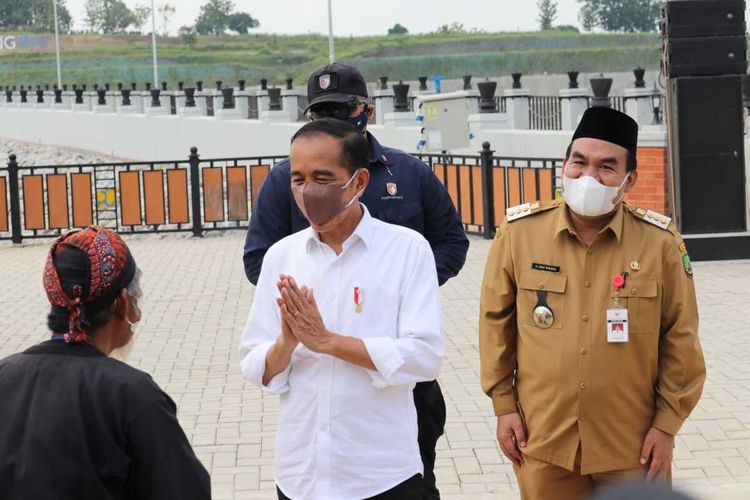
[{"x": 127, "y": 58}]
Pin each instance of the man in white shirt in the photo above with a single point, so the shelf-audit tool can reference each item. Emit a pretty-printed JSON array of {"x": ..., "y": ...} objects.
[{"x": 345, "y": 321}]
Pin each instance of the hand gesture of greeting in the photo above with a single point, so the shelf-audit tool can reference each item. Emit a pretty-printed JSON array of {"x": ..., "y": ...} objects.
[{"x": 300, "y": 312}]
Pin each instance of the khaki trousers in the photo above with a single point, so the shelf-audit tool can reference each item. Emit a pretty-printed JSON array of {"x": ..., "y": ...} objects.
[{"x": 543, "y": 481}]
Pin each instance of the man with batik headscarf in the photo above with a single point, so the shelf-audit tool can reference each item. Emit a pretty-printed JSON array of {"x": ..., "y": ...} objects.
[{"x": 77, "y": 424}]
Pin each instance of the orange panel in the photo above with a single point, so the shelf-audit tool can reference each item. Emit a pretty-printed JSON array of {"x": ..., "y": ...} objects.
[
  {"x": 213, "y": 195},
  {"x": 130, "y": 199},
  {"x": 464, "y": 172},
  {"x": 514, "y": 186},
  {"x": 258, "y": 174},
  {"x": 153, "y": 195},
  {"x": 83, "y": 209},
  {"x": 529, "y": 185},
  {"x": 33, "y": 202},
  {"x": 177, "y": 189},
  {"x": 476, "y": 188},
  {"x": 57, "y": 201},
  {"x": 499, "y": 198},
  {"x": 440, "y": 172},
  {"x": 545, "y": 185},
  {"x": 237, "y": 193},
  {"x": 3, "y": 205},
  {"x": 451, "y": 183}
]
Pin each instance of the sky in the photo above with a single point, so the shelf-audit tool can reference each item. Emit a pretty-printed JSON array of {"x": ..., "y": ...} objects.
[{"x": 356, "y": 17}]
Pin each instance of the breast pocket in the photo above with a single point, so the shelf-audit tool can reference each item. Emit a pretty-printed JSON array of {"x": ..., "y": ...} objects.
[
  {"x": 377, "y": 314},
  {"x": 642, "y": 299},
  {"x": 552, "y": 284},
  {"x": 407, "y": 214}
]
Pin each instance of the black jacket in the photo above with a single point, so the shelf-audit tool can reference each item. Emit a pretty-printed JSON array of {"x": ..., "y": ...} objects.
[
  {"x": 75, "y": 424},
  {"x": 420, "y": 202}
]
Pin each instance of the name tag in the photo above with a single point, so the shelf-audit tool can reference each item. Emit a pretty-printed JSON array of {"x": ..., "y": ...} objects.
[{"x": 617, "y": 324}]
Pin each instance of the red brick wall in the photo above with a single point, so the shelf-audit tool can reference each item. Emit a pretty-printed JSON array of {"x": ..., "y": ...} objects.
[{"x": 651, "y": 188}]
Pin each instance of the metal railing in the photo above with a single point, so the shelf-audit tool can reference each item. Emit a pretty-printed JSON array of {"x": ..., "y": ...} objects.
[
  {"x": 545, "y": 112},
  {"x": 197, "y": 195},
  {"x": 484, "y": 186},
  {"x": 193, "y": 195}
]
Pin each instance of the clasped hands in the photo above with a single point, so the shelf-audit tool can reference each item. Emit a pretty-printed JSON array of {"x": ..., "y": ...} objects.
[{"x": 301, "y": 321}]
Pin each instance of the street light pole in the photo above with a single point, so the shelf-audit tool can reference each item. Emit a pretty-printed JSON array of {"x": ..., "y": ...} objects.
[
  {"x": 331, "y": 52},
  {"x": 153, "y": 44},
  {"x": 57, "y": 44}
]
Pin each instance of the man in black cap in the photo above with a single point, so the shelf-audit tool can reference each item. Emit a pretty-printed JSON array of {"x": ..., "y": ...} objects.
[
  {"x": 402, "y": 191},
  {"x": 588, "y": 327}
]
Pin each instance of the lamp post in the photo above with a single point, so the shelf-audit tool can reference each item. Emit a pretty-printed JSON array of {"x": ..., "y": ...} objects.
[
  {"x": 153, "y": 43},
  {"x": 57, "y": 44},
  {"x": 656, "y": 103},
  {"x": 331, "y": 52}
]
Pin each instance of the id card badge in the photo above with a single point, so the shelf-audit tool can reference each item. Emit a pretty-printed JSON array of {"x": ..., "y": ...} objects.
[{"x": 617, "y": 324}]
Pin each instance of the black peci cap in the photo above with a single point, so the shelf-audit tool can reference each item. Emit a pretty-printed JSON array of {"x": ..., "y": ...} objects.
[
  {"x": 337, "y": 83},
  {"x": 609, "y": 125}
]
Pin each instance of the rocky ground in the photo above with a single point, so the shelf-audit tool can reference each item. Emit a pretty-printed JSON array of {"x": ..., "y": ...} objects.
[{"x": 41, "y": 154}]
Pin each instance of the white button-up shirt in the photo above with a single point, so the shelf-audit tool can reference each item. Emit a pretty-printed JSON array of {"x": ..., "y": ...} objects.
[{"x": 344, "y": 431}]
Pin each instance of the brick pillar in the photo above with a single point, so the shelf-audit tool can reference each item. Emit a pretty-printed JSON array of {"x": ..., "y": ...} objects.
[{"x": 651, "y": 189}]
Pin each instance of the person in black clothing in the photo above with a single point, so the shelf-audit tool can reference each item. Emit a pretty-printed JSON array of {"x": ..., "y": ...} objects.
[
  {"x": 76, "y": 423},
  {"x": 402, "y": 190}
]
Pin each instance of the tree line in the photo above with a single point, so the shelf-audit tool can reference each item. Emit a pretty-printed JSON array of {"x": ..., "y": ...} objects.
[
  {"x": 627, "y": 16},
  {"x": 34, "y": 15},
  {"x": 216, "y": 17}
]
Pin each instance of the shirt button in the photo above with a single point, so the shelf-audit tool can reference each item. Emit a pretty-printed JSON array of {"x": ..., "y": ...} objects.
[
  {"x": 540, "y": 286},
  {"x": 589, "y": 251},
  {"x": 584, "y": 350},
  {"x": 581, "y": 417},
  {"x": 582, "y": 385},
  {"x": 587, "y": 284},
  {"x": 634, "y": 291},
  {"x": 585, "y": 317}
]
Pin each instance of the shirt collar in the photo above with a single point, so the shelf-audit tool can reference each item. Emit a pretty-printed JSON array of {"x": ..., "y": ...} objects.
[
  {"x": 363, "y": 232},
  {"x": 614, "y": 225},
  {"x": 82, "y": 350},
  {"x": 377, "y": 152}
]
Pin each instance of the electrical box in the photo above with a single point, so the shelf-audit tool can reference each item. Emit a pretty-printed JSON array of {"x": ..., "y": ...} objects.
[{"x": 445, "y": 121}]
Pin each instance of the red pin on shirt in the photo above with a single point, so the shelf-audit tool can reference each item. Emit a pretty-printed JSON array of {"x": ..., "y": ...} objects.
[{"x": 618, "y": 281}]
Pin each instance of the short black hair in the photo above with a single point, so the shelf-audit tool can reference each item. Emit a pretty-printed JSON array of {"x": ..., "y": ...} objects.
[
  {"x": 630, "y": 165},
  {"x": 355, "y": 150}
]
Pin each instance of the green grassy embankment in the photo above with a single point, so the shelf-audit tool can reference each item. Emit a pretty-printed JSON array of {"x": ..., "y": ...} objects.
[{"x": 127, "y": 58}]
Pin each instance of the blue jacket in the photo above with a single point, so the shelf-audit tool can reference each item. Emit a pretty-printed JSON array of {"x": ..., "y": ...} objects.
[{"x": 420, "y": 202}]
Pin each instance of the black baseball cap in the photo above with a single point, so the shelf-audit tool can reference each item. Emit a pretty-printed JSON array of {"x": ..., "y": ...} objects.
[{"x": 337, "y": 83}]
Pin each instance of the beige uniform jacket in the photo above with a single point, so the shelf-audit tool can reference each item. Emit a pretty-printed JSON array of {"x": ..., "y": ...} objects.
[{"x": 570, "y": 385}]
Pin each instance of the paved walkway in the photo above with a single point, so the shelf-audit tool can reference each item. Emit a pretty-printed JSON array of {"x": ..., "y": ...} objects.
[{"x": 195, "y": 305}]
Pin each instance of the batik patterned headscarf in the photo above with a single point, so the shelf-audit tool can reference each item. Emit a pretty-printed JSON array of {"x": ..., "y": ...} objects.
[{"x": 93, "y": 280}]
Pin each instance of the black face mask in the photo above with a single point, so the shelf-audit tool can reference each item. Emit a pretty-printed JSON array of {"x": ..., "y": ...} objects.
[
  {"x": 342, "y": 112},
  {"x": 359, "y": 121}
]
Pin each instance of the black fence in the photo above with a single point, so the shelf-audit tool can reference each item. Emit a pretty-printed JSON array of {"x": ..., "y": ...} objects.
[
  {"x": 193, "y": 195},
  {"x": 197, "y": 195}
]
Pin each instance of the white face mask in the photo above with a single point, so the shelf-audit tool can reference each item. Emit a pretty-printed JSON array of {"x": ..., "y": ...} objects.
[
  {"x": 125, "y": 352},
  {"x": 588, "y": 197}
]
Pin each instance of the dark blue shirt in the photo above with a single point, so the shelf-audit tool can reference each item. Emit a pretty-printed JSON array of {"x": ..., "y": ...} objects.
[{"x": 416, "y": 200}]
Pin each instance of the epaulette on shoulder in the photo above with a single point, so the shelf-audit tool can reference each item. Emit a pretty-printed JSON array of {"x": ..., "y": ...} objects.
[
  {"x": 650, "y": 216},
  {"x": 536, "y": 207}
]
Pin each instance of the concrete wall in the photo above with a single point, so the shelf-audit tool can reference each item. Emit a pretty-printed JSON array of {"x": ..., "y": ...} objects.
[{"x": 141, "y": 137}]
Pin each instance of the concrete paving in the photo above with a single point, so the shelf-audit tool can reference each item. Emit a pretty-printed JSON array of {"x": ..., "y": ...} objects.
[{"x": 195, "y": 305}]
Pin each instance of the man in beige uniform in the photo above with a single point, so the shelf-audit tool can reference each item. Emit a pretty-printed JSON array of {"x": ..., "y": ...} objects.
[{"x": 589, "y": 388}]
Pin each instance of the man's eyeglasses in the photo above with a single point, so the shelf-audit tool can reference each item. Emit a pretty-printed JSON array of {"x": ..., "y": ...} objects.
[{"x": 341, "y": 111}]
